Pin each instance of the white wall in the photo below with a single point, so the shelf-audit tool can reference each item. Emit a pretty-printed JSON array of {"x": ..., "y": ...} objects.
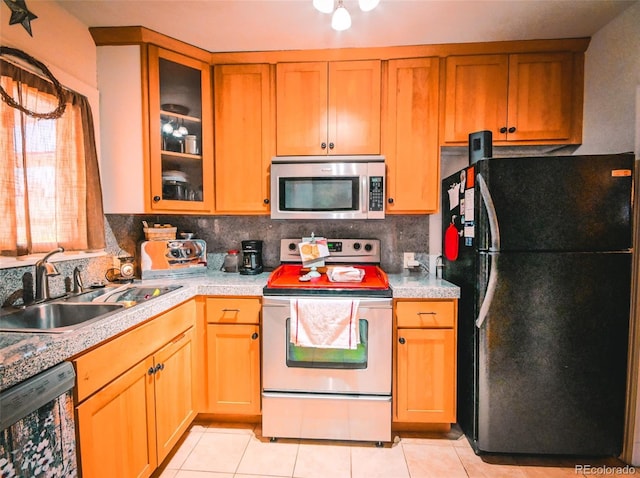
[
  {"x": 59, "y": 41},
  {"x": 612, "y": 74}
]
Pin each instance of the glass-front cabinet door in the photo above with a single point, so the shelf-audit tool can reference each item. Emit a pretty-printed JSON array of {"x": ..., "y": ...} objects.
[{"x": 181, "y": 133}]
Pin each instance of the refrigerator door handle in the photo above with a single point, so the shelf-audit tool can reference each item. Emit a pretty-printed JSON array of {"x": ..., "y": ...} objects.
[
  {"x": 491, "y": 289},
  {"x": 487, "y": 200},
  {"x": 495, "y": 246}
]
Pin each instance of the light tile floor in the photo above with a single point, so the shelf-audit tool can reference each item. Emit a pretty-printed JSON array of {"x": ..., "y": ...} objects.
[{"x": 222, "y": 450}]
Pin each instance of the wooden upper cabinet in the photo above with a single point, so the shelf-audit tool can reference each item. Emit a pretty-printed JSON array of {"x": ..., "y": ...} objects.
[
  {"x": 328, "y": 108},
  {"x": 476, "y": 96},
  {"x": 541, "y": 97},
  {"x": 244, "y": 136},
  {"x": 180, "y": 104},
  {"x": 411, "y": 145},
  {"x": 529, "y": 98}
]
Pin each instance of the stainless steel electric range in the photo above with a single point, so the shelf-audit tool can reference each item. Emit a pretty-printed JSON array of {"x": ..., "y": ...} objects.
[{"x": 327, "y": 346}]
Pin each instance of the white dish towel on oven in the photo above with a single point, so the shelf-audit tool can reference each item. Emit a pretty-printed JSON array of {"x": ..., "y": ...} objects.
[{"x": 325, "y": 323}]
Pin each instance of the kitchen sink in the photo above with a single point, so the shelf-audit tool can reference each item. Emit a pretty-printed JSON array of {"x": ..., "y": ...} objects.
[
  {"x": 128, "y": 295},
  {"x": 55, "y": 317},
  {"x": 73, "y": 311}
]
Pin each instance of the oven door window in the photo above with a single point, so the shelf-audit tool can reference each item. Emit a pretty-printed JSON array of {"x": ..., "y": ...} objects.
[
  {"x": 310, "y": 357},
  {"x": 319, "y": 194}
]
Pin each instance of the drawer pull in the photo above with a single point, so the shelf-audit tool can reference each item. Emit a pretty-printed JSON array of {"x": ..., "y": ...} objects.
[
  {"x": 231, "y": 310},
  {"x": 427, "y": 313},
  {"x": 254, "y": 336},
  {"x": 402, "y": 340}
]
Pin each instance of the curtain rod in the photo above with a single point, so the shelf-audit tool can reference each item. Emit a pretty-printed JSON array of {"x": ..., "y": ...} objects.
[{"x": 25, "y": 66}]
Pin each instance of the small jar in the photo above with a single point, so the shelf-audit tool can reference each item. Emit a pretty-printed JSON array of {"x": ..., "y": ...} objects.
[{"x": 230, "y": 263}]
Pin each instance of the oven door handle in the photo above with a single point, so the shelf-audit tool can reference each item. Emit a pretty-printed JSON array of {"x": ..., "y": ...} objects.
[{"x": 327, "y": 396}]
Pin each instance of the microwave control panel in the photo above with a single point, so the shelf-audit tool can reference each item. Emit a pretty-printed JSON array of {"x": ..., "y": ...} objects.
[{"x": 376, "y": 193}]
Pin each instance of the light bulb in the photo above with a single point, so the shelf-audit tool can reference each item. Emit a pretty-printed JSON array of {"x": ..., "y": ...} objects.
[
  {"x": 368, "y": 5},
  {"x": 325, "y": 6},
  {"x": 341, "y": 19}
]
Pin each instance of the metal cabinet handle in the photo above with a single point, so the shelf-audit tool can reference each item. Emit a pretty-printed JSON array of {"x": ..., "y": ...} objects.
[
  {"x": 512, "y": 129},
  {"x": 331, "y": 145},
  {"x": 503, "y": 129},
  {"x": 323, "y": 145},
  {"x": 266, "y": 201},
  {"x": 426, "y": 313},
  {"x": 254, "y": 336},
  {"x": 390, "y": 200},
  {"x": 156, "y": 198},
  {"x": 402, "y": 340},
  {"x": 151, "y": 371},
  {"x": 230, "y": 310},
  {"x": 159, "y": 367}
]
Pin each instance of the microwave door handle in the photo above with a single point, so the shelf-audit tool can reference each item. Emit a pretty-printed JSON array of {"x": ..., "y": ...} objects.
[{"x": 364, "y": 194}]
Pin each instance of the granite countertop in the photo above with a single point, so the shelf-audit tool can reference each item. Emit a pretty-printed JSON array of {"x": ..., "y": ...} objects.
[{"x": 23, "y": 355}]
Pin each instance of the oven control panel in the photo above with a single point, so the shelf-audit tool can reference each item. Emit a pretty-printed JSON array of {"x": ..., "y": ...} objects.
[{"x": 340, "y": 250}]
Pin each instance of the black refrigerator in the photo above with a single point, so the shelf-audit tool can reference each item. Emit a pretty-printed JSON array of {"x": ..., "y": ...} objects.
[{"x": 541, "y": 250}]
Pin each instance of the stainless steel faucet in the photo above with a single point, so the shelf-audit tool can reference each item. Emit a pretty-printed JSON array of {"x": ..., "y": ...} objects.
[
  {"x": 44, "y": 270},
  {"x": 78, "y": 287}
]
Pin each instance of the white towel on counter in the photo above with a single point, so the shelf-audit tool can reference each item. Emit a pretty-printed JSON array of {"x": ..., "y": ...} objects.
[
  {"x": 325, "y": 323},
  {"x": 345, "y": 274}
]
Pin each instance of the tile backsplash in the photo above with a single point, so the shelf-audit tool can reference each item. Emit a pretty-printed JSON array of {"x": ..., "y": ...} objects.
[{"x": 397, "y": 233}]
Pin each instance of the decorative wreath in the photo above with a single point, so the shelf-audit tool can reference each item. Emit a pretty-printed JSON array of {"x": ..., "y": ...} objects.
[{"x": 56, "y": 113}]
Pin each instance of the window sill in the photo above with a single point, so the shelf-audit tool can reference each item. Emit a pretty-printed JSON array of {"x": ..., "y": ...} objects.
[{"x": 30, "y": 260}]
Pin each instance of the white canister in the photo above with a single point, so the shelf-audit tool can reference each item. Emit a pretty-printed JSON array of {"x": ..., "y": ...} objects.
[{"x": 190, "y": 144}]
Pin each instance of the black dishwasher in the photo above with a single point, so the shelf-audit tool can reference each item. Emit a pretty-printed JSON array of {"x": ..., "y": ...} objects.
[{"x": 38, "y": 433}]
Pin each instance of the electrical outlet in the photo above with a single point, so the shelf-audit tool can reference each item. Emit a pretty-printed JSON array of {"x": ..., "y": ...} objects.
[{"x": 408, "y": 259}]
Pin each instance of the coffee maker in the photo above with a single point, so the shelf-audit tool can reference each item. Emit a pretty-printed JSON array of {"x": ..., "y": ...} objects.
[{"x": 251, "y": 257}]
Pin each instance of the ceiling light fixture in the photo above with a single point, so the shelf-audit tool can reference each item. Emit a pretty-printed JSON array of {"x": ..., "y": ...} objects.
[
  {"x": 368, "y": 5},
  {"x": 324, "y": 6},
  {"x": 341, "y": 20}
]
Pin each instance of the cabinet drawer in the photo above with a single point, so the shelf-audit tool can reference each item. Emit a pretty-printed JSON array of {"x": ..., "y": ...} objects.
[
  {"x": 425, "y": 314},
  {"x": 101, "y": 365},
  {"x": 232, "y": 310}
]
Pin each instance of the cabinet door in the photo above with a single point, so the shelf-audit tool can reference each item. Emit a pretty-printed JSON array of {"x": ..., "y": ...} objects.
[
  {"x": 116, "y": 427},
  {"x": 243, "y": 138},
  {"x": 541, "y": 97},
  {"x": 426, "y": 375},
  {"x": 175, "y": 391},
  {"x": 233, "y": 359},
  {"x": 354, "y": 107},
  {"x": 411, "y": 141},
  {"x": 475, "y": 96},
  {"x": 328, "y": 108},
  {"x": 180, "y": 133},
  {"x": 301, "y": 108}
]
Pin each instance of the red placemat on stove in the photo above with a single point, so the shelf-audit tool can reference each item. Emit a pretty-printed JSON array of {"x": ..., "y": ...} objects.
[{"x": 286, "y": 276}]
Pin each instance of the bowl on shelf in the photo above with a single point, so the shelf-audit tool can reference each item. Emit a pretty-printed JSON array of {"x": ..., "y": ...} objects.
[{"x": 177, "y": 109}]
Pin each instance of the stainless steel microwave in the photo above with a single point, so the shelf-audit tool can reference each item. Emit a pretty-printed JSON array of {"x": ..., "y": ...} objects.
[{"x": 327, "y": 187}]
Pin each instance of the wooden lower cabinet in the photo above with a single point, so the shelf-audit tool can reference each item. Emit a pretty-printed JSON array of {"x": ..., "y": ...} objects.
[
  {"x": 425, "y": 382},
  {"x": 174, "y": 392},
  {"x": 116, "y": 427},
  {"x": 126, "y": 427},
  {"x": 233, "y": 355}
]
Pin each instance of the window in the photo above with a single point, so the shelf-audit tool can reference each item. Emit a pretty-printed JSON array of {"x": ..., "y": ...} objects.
[{"x": 50, "y": 192}]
